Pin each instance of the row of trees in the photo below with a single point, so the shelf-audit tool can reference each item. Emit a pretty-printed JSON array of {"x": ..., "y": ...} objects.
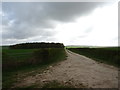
[{"x": 37, "y": 45}]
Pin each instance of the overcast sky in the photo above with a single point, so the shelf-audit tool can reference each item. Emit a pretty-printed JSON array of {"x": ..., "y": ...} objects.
[{"x": 71, "y": 23}]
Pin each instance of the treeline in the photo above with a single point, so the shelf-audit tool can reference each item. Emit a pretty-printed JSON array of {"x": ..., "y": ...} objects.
[{"x": 37, "y": 45}]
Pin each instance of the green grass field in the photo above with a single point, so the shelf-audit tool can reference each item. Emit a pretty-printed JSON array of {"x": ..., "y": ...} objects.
[
  {"x": 19, "y": 54},
  {"x": 15, "y": 61},
  {"x": 108, "y": 55},
  {"x": 76, "y": 46}
]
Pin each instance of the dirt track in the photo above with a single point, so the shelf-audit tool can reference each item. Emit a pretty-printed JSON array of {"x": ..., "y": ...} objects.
[{"x": 77, "y": 70}]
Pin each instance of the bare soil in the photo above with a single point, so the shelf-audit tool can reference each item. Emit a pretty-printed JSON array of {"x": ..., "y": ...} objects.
[{"x": 78, "y": 71}]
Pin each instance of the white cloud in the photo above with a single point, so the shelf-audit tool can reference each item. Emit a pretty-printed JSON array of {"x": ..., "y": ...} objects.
[{"x": 99, "y": 28}]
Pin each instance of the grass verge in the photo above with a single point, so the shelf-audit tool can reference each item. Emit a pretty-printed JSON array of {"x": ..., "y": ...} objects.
[{"x": 106, "y": 55}]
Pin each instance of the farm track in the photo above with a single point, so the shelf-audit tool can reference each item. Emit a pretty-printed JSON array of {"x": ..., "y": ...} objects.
[{"x": 76, "y": 70}]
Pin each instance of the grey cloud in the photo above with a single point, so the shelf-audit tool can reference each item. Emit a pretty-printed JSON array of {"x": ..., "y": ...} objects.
[
  {"x": 88, "y": 30},
  {"x": 33, "y": 18},
  {"x": 26, "y": 32}
]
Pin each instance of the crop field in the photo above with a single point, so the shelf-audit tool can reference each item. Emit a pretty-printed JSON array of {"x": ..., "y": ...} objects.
[
  {"x": 28, "y": 56},
  {"x": 23, "y": 60},
  {"x": 77, "y": 46},
  {"x": 18, "y": 54},
  {"x": 109, "y": 55}
]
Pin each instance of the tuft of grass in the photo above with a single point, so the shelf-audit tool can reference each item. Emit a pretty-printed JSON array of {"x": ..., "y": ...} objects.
[
  {"x": 56, "y": 84},
  {"x": 50, "y": 84}
]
